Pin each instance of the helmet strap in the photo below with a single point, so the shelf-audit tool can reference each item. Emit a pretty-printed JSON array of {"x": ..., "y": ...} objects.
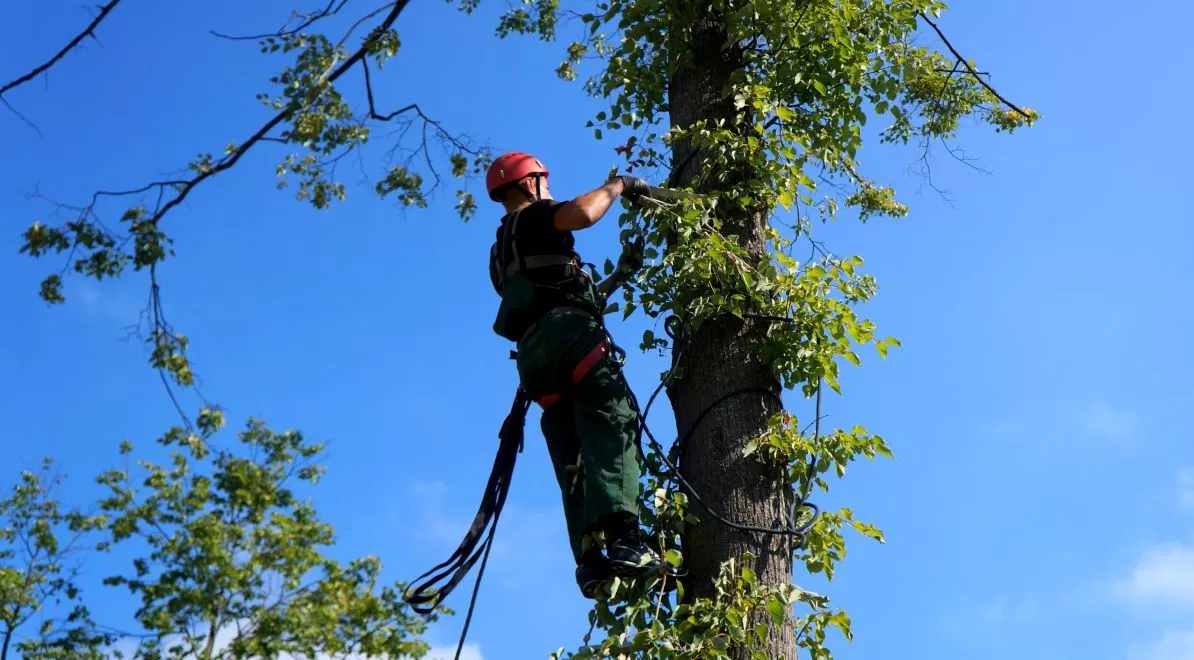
[{"x": 538, "y": 189}]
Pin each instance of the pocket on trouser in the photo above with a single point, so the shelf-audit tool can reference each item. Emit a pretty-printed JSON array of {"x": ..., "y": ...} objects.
[
  {"x": 607, "y": 425},
  {"x": 547, "y": 355}
]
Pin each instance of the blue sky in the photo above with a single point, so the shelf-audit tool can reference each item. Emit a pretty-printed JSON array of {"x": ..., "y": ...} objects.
[{"x": 1042, "y": 497}]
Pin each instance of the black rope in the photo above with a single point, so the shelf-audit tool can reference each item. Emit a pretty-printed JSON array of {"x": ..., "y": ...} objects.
[
  {"x": 674, "y": 328},
  {"x": 425, "y": 598}
]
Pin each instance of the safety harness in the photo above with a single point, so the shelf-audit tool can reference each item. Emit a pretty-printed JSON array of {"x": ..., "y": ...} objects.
[{"x": 525, "y": 302}]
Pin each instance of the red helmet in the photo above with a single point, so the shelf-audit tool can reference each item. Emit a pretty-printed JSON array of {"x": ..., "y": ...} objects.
[{"x": 510, "y": 167}]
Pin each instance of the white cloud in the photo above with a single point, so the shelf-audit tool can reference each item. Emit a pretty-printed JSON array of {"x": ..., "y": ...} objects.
[
  {"x": 1185, "y": 488},
  {"x": 106, "y": 301},
  {"x": 1163, "y": 575},
  {"x": 1102, "y": 419},
  {"x": 1001, "y": 612},
  {"x": 1173, "y": 645},
  {"x": 469, "y": 652},
  {"x": 526, "y": 539}
]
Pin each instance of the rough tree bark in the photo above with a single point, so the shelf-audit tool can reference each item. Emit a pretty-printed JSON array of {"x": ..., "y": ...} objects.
[{"x": 719, "y": 358}]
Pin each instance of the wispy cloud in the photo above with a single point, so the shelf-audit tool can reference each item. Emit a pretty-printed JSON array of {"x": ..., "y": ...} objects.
[
  {"x": 1185, "y": 488},
  {"x": 1173, "y": 645},
  {"x": 1162, "y": 576},
  {"x": 469, "y": 652},
  {"x": 1003, "y": 611},
  {"x": 995, "y": 616},
  {"x": 109, "y": 302},
  {"x": 1101, "y": 418},
  {"x": 527, "y": 540}
]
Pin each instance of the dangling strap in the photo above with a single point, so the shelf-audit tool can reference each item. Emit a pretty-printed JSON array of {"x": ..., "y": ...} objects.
[{"x": 426, "y": 597}]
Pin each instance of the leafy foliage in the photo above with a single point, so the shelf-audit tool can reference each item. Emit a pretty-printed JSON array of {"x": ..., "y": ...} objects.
[
  {"x": 233, "y": 551},
  {"x": 229, "y": 561},
  {"x": 38, "y": 546},
  {"x": 313, "y": 115}
]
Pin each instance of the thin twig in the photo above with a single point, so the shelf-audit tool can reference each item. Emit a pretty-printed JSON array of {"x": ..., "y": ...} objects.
[
  {"x": 20, "y": 116},
  {"x": 89, "y": 32},
  {"x": 971, "y": 69},
  {"x": 231, "y": 160},
  {"x": 307, "y": 21}
]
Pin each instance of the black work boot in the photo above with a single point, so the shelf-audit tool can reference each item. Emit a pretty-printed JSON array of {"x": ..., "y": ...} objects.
[
  {"x": 592, "y": 572},
  {"x": 629, "y": 557}
]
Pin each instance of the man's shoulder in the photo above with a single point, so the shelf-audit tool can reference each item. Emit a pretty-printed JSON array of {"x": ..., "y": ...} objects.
[
  {"x": 546, "y": 207},
  {"x": 540, "y": 215}
]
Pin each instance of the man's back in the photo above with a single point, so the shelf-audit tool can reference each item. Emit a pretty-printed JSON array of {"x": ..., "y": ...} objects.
[{"x": 531, "y": 233}]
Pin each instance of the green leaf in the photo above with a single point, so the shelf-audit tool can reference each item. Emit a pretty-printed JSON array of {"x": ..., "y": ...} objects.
[{"x": 777, "y": 610}]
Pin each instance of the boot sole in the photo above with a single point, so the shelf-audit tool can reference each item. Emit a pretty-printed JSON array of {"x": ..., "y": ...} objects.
[{"x": 636, "y": 570}]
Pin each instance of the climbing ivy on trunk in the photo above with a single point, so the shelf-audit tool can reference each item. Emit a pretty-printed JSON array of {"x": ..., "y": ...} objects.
[{"x": 759, "y": 105}]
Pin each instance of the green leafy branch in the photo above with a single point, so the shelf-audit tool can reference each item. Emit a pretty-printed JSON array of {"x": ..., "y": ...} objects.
[
  {"x": 37, "y": 539},
  {"x": 231, "y": 548},
  {"x": 736, "y": 619},
  {"x": 309, "y": 112}
]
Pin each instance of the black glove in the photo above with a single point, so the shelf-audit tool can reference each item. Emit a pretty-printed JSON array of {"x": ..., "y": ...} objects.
[
  {"x": 631, "y": 260},
  {"x": 633, "y": 187}
]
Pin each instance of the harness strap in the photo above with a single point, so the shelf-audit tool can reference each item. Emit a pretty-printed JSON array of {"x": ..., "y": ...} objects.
[
  {"x": 540, "y": 261},
  {"x": 501, "y": 251},
  {"x": 581, "y": 370}
]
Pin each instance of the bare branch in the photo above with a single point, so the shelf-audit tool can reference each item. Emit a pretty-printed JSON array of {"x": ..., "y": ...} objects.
[
  {"x": 375, "y": 12},
  {"x": 970, "y": 69},
  {"x": 440, "y": 133},
  {"x": 227, "y": 162},
  {"x": 89, "y": 32},
  {"x": 20, "y": 116},
  {"x": 305, "y": 21}
]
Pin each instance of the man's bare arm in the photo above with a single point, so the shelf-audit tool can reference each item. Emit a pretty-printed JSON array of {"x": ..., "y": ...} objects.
[{"x": 584, "y": 211}]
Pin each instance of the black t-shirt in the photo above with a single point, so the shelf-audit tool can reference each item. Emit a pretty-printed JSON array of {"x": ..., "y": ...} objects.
[{"x": 534, "y": 234}]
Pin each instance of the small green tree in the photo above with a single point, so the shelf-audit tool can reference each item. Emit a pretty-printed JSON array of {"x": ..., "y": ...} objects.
[
  {"x": 235, "y": 564},
  {"x": 229, "y": 561},
  {"x": 40, "y": 546}
]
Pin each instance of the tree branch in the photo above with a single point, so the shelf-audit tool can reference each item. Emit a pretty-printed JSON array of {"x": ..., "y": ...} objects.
[
  {"x": 306, "y": 20},
  {"x": 89, "y": 32},
  {"x": 185, "y": 187},
  {"x": 970, "y": 69},
  {"x": 179, "y": 189},
  {"x": 442, "y": 134}
]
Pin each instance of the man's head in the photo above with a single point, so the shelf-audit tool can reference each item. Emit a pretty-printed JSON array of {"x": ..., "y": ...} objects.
[{"x": 516, "y": 179}]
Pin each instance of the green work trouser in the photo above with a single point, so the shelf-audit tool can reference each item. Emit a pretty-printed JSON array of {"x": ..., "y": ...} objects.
[{"x": 592, "y": 424}]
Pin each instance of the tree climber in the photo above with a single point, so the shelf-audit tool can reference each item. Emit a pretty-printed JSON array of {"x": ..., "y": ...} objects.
[{"x": 552, "y": 310}]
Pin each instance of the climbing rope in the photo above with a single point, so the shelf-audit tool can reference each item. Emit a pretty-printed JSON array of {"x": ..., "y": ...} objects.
[
  {"x": 674, "y": 328},
  {"x": 426, "y": 598}
]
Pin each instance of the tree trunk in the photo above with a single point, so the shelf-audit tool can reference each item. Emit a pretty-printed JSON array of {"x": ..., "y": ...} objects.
[{"x": 720, "y": 358}]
